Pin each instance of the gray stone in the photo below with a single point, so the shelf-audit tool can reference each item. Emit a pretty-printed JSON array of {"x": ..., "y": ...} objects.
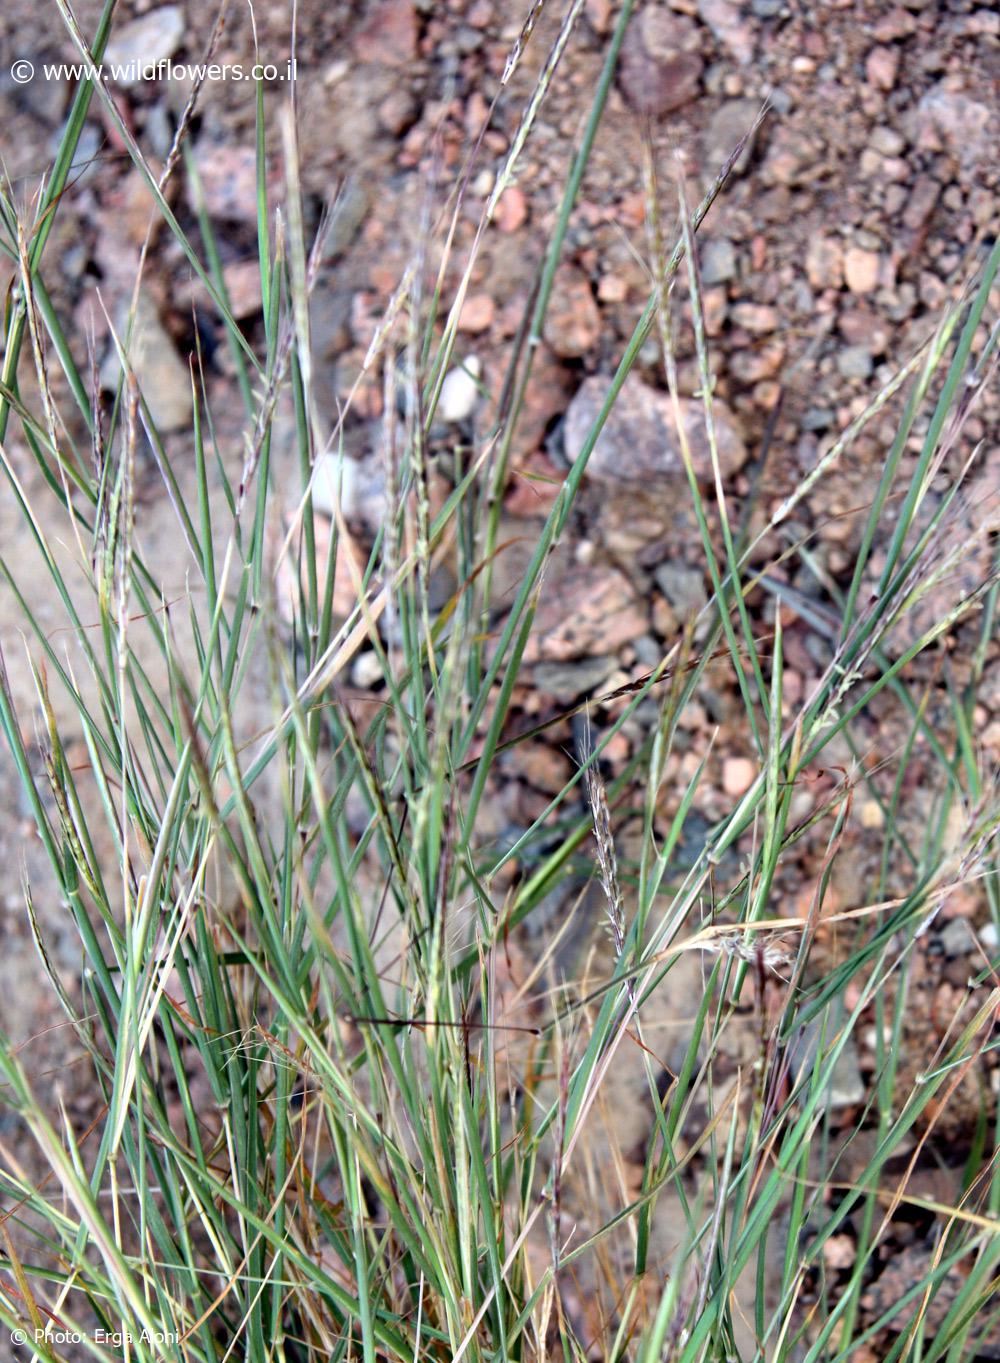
[
  {"x": 683, "y": 588},
  {"x": 75, "y": 259},
  {"x": 357, "y": 812},
  {"x": 145, "y": 41},
  {"x": 639, "y": 440},
  {"x": 956, "y": 938},
  {"x": 85, "y": 163},
  {"x": 718, "y": 261},
  {"x": 855, "y": 362},
  {"x": 730, "y": 123},
  {"x": 334, "y": 483},
  {"x": 818, "y": 418},
  {"x": 988, "y": 692},
  {"x": 157, "y": 129},
  {"x": 564, "y": 682},
  {"x": 846, "y": 1087},
  {"x": 648, "y": 650},
  {"x": 329, "y": 321},
  {"x": 961, "y": 125},
  {"x": 45, "y": 99}
]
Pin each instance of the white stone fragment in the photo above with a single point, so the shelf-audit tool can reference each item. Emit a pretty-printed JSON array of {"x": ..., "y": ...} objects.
[
  {"x": 460, "y": 391},
  {"x": 336, "y": 483}
]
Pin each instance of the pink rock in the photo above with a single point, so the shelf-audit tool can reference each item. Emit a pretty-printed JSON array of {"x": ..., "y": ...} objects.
[
  {"x": 477, "y": 315},
  {"x": 612, "y": 288},
  {"x": 242, "y": 279},
  {"x": 549, "y": 391},
  {"x": 389, "y": 35},
  {"x": 751, "y": 366},
  {"x": 573, "y": 322},
  {"x": 534, "y": 486},
  {"x": 755, "y": 317},
  {"x": 882, "y": 66},
  {"x": 589, "y": 610},
  {"x": 825, "y": 263},
  {"x": 861, "y": 270},
  {"x": 512, "y": 209},
  {"x": 660, "y": 66},
  {"x": 598, "y": 13},
  {"x": 228, "y": 178},
  {"x": 540, "y": 764}
]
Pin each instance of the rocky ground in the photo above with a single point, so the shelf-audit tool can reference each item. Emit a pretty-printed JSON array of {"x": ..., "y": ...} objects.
[{"x": 854, "y": 214}]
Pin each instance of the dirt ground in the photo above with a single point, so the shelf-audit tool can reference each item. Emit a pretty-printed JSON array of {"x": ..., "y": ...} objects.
[{"x": 855, "y": 213}]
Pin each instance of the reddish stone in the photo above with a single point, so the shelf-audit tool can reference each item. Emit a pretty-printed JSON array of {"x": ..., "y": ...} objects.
[
  {"x": 512, "y": 210},
  {"x": 573, "y": 321},
  {"x": 534, "y": 486},
  {"x": 477, "y": 314},
  {"x": 660, "y": 65},
  {"x": 389, "y": 35}
]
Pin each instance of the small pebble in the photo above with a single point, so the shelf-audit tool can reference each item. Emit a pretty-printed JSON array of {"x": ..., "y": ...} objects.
[
  {"x": 512, "y": 210},
  {"x": 478, "y": 312},
  {"x": 612, "y": 288},
  {"x": 839, "y": 1253},
  {"x": 726, "y": 129},
  {"x": 861, "y": 269},
  {"x": 573, "y": 320},
  {"x": 460, "y": 391},
  {"x": 755, "y": 317},
  {"x": 738, "y": 775},
  {"x": 887, "y": 141},
  {"x": 881, "y": 67},
  {"x": 718, "y": 261},
  {"x": 366, "y": 670},
  {"x": 855, "y": 362},
  {"x": 871, "y": 815},
  {"x": 956, "y": 938},
  {"x": 825, "y": 263}
]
